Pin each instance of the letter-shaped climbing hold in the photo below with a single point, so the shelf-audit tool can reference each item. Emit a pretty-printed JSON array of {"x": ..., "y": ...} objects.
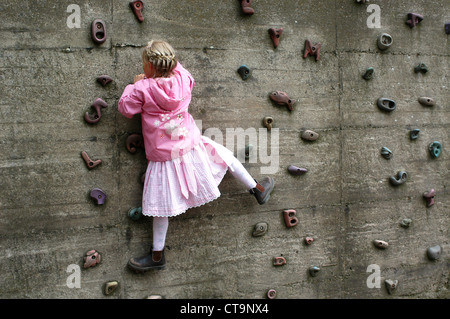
[
  {"x": 386, "y": 153},
  {"x": 384, "y": 41},
  {"x": 380, "y": 244},
  {"x": 294, "y": 170},
  {"x": 414, "y": 134},
  {"x": 135, "y": 213},
  {"x": 309, "y": 135},
  {"x": 290, "y": 218},
  {"x": 244, "y": 72},
  {"x": 279, "y": 261},
  {"x": 98, "y": 31},
  {"x": 97, "y": 106},
  {"x": 90, "y": 163},
  {"x": 435, "y": 149},
  {"x": 281, "y": 98},
  {"x": 427, "y": 101},
  {"x": 310, "y": 49},
  {"x": 104, "y": 79},
  {"x": 314, "y": 271},
  {"x": 268, "y": 122},
  {"x": 309, "y": 240},
  {"x": 246, "y": 7},
  {"x": 429, "y": 197},
  {"x": 134, "y": 141},
  {"x": 368, "y": 75},
  {"x": 272, "y": 294},
  {"x": 110, "y": 287},
  {"x": 421, "y": 67},
  {"x": 260, "y": 229},
  {"x": 385, "y": 104},
  {"x": 92, "y": 258},
  {"x": 275, "y": 35},
  {"x": 412, "y": 19},
  {"x": 434, "y": 252},
  {"x": 391, "y": 285},
  {"x": 98, "y": 195},
  {"x": 137, "y": 6},
  {"x": 399, "y": 179}
]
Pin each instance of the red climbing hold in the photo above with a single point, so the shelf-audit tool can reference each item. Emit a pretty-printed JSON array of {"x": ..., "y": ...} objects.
[
  {"x": 246, "y": 7},
  {"x": 275, "y": 34},
  {"x": 137, "y": 7},
  {"x": 313, "y": 50}
]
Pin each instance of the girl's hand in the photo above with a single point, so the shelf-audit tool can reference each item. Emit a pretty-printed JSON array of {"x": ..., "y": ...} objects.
[{"x": 139, "y": 77}]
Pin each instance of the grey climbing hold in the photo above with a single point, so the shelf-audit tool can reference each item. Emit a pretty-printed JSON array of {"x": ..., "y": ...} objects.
[
  {"x": 435, "y": 149},
  {"x": 314, "y": 271},
  {"x": 309, "y": 135},
  {"x": 391, "y": 285},
  {"x": 434, "y": 252},
  {"x": 386, "y": 153},
  {"x": 414, "y": 134},
  {"x": 260, "y": 229},
  {"x": 384, "y": 41},
  {"x": 110, "y": 287},
  {"x": 399, "y": 179},
  {"x": 405, "y": 223},
  {"x": 385, "y": 104},
  {"x": 426, "y": 101},
  {"x": 380, "y": 244},
  {"x": 368, "y": 75}
]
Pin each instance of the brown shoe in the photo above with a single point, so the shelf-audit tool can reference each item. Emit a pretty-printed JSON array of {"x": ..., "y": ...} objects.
[{"x": 154, "y": 260}]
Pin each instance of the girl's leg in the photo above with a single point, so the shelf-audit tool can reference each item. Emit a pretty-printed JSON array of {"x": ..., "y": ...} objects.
[
  {"x": 160, "y": 226},
  {"x": 241, "y": 174}
]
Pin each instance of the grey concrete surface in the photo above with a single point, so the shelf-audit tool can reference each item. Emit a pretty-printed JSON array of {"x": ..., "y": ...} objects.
[{"x": 48, "y": 81}]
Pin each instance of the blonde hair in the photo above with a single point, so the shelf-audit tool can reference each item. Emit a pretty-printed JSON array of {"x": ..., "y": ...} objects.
[{"x": 162, "y": 56}]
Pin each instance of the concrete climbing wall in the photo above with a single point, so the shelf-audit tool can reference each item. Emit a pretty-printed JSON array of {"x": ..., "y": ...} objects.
[{"x": 48, "y": 71}]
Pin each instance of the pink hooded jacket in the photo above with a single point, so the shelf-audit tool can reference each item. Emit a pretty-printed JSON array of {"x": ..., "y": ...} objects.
[{"x": 168, "y": 129}]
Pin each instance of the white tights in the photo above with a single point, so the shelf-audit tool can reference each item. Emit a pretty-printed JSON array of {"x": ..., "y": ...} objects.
[{"x": 161, "y": 224}]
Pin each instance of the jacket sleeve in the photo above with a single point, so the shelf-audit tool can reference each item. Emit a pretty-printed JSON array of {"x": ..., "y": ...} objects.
[{"x": 130, "y": 102}]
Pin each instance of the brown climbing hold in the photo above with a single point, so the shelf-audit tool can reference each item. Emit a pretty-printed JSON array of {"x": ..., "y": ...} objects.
[
  {"x": 275, "y": 34},
  {"x": 268, "y": 122},
  {"x": 90, "y": 163},
  {"x": 137, "y": 7},
  {"x": 309, "y": 240},
  {"x": 281, "y": 98},
  {"x": 110, "y": 287},
  {"x": 246, "y": 7},
  {"x": 104, "y": 79},
  {"x": 313, "y": 50},
  {"x": 134, "y": 141},
  {"x": 429, "y": 197},
  {"x": 380, "y": 244},
  {"x": 97, "y": 106},
  {"x": 92, "y": 258},
  {"x": 413, "y": 19},
  {"x": 279, "y": 261},
  {"x": 427, "y": 101},
  {"x": 290, "y": 218},
  {"x": 98, "y": 30}
]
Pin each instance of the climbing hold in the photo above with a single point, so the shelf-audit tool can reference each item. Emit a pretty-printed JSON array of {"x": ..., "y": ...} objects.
[
  {"x": 434, "y": 253},
  {"x": 309, "y": 135},
  {"x": 279, "y": 261},
  {"x": 385, "y": 104},
  {"x": 97, "y": 106},
  {"x": 137, "y": 6},
  {"x": 391, "y": 285},
  {"x": 310, "y": 49},
  {"x": 246, "y": 7},
  {"x": 98, "y": 30},
  {"x": 421, "y": 67},
  {"x": 90, "y": 163},
  {"x": 429, "y": 197},
  {"x": 275, "y": 34},
  {"x": 271, "y": 294},
  {"x": 92, "y": 258},
  {"x": 384, "y": 41},
  {"x": 406, "y": 223},
  {"x": 98, "y": 195},
  {"x": 110, "y": 287},
  {"x": 427, "y": 101},
  {"x": 244, "y": 72},
  {"x": 294, "y": 170},
  {"x": 414, "y": 134},
  {"x": 380, "y": 244},
  {"x": 386, "y": 153},
  {"x": 368, "y": 75},
  {"x": 281, "y": 98},
  {"x": 134, "y": 141},
  {"x": 104, "y": 79},
  {"x": 260, "y": 229},
  {"x": 248, "y": 150},
  {"x": 290, "y": 218},
  {"x": 309, "y": 240},
  {"x": 362, "y": 1},
  {"x": 435, "y": 149},
  {"x": 413, "y": 19},
  {"x": 135, "y": 213},
  {"x": 268, "y": 122},
  {"x": 154, "y": 297},
  {"x": 400, "y": 179},
  {"x": 447, "y": 28},
  {"x": 314, "y": 271}
]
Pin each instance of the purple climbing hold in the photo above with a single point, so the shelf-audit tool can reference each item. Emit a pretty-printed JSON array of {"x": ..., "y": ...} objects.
[{"x": 98, "y": 195}]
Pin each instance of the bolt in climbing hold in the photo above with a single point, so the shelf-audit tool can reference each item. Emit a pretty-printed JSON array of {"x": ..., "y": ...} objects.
[
  {"x": 406, "y": 223},
  {"x": 279, "y": 261},
  {"x": 434, "y": 252},
  {"x": 380, "y": 244},
  {"x": 110, "y": 287},
  {"x": 135, "y": 213},
  {"x": 268, "y": 122},
  {"x": 421, "y": 67},
  {"x": 98, "y": 30},
  {"x": 414, "y": 134},
  {"x": 310, "y": 49},
  {"x": 246, "y": 7},
  {"x": 260, "y": 229},
  {"x": 90, "y": 163},
  {"x": 91, "y": 258},
  {"x": 275, "y": 35},
  {"x": 271, "y": 294},
  {"x": 290, "y": 218},
  {"x": 384, "y": 41},
  {"x": 281, "y": 98},
  {"x": 244, "y": 72},
  {"x": 399, "y": 179},
  {"x": 309, "y": 240},
  {"x": 385, "y": 104},
  {"x": 427, "y": 101},
  {"x": 97, "y": 106},
  {"x": 134, "y": 141},
  {"x": 447, "y": 28},
  {"x": 391, "y": 285},
  {"x": 104, "y": 79},
  {"x": 413, "y": 19},
  {"x": 294, "y": 170},
  {"x": 368, "y": 75},
  {"x": 309, "y": 135},
  {"x": 435, "y": 149},
  {"x": 314, "y": 271},
  {"x": 98, "y": 195},
  {"x": 429, "y": 197},
  {"x": 386, "y": 153},
  {"x": 137, "y": 6}
]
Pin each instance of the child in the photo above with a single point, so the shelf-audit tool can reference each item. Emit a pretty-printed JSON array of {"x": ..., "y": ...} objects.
[{"x": 184, "y": 168}]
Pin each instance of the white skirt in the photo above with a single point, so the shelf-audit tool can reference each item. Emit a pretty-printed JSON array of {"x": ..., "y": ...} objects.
[{"x": 192, "y": 180}]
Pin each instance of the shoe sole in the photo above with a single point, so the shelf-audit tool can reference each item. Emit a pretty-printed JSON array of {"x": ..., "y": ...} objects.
[
  {"x": 268, "y": 196},
  {"x": 144, "y": 269}
]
